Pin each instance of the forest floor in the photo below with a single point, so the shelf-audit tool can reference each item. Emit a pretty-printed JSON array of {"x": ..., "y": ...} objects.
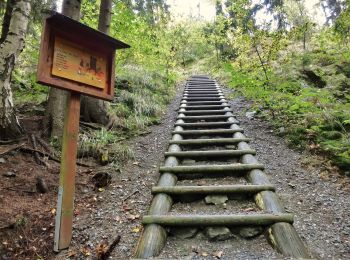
[{"x": 306, "y": 184}]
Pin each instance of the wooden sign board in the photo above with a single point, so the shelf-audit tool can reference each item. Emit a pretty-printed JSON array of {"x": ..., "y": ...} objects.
[{"x": 77, "y": 58}]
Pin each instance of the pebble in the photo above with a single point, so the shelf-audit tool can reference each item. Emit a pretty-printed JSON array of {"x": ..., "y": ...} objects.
[
  {"x": 185, "y": 232},
  {"x": 218, "y": 233},
  {"x": 9, "y": 174},
  {"x": 2, "y": 160},
  {"x": 216, "y": 199}
]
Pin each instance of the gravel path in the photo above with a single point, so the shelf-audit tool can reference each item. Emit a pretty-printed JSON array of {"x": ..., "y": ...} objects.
[{"x": 321, "y": 205}]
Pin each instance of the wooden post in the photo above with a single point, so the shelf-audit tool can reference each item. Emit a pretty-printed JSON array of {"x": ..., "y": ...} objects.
[{"x": 66, "y": 190}]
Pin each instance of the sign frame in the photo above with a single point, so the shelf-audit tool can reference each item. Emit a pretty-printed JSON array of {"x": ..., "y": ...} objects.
[
  {"x": 85, "y": 41},
  {"x": 82, "y": 37}
]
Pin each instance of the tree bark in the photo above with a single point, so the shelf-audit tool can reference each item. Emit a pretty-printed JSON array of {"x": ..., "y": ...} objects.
[
  {"x": 53, "y": 120},
  {"x": 93, "y": 109},
  {"x": 12, "y": 45}
]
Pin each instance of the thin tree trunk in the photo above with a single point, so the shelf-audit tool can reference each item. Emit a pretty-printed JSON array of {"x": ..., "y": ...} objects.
[
  {"x": 261, "y": 60},
  {"x": 53, "y": 121},
  {"x": 93, "y": 109},
  {"x": 12, "y": 45}
]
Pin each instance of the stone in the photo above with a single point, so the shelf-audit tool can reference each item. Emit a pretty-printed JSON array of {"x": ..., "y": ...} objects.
[
  {"x": 250, "y": 115},
  {"x": 102, "y": 179},
  {"x": 184, "y": 232},
  {"x": 9, "y": 174},
  {"x": 2, "y": 160},
  {"x": 217, "y": 233},
  {"x": 250, "y": 232},
  {"x": 216, "y": 199},
  {"x": 188, "y": 162}
]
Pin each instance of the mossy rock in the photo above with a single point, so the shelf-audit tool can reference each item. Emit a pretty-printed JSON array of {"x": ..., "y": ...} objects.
[
  {"x": 344, "y": 68},
  {"x": 314, "y": 77}
]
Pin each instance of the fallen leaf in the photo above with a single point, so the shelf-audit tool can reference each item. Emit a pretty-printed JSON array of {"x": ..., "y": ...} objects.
[
  {"x": 53, "y": 211},
  {"x": 85, "y": 251},
  {"x": 101, "y": 249},
  {"x": 101, "y": 189},
  {"x": 72, "y": 253},
  {"x": 136, "y": 163},
  {"x": 218, "y": 254},
  {"x": 204, "y": 254},
  {"x": 136, "y": 230}
]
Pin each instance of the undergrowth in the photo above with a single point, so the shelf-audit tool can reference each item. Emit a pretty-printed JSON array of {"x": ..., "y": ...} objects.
[{"x": 312, "y": 116}]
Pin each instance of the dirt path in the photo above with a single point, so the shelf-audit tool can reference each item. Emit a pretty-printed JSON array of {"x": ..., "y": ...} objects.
[{"x": 321, "y": 206}]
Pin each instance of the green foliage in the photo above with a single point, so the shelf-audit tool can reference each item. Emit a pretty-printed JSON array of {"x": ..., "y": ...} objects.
[{"x": 309, "y": 114}]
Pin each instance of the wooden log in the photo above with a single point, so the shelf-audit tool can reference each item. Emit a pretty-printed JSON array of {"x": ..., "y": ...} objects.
[
  {"x": 195, "y": 118},
  {"x": 201, "y": 102},
  {"x": 202, "y": 99},
  {"x": 217, "y": 220},
  {"x": 153, "y": 237},
  {"x": 208, "y": 132},
  {"x": 213, "y": 92},
  {"x": 222, "y": 189},
  {"x": 204, "y": 124},
  {"x": 206, "y": 112},
  {"x": 205, "y": 107},
  {"x": 282, "y": 236},
  {"x": 219, "y": 168},
  {"x": 191, "y": 95},
  {"x": 209, "y": 141},
  {"x": 210, "y": 153}
]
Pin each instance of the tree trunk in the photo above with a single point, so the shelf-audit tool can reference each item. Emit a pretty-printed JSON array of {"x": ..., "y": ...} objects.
[
  {"x": 93, "y": 109},
  {"x": 13, "y": 43},
  {"x": 53, "y": 121}
]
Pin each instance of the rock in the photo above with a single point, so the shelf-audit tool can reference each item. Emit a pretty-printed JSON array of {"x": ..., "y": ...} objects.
[
  {"x": 217, "y": 233},
  {"x": 313, "y": 76},
  {"x": 216, "y": 199},
  {"x": 184, "y": 232},
  {"x": 2, "y": 160},
  {"x": 250, "y": 115},
  {"x": 41, "y": 186},
  {"x": 250, "y": 232},
  {"x": 188, "y": 162},
  {"x": 9, "y": 174},
  {"x": 102, "y": 179}
]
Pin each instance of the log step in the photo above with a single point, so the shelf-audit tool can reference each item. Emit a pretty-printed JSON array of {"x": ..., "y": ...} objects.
[
  {"x": 205, "y": 107},
  {"x": 192, "y": 95},
  {"x": 200, "y": 112},
  {"x": 210, "y": 153},
  {"x": 202, "y": 98},
  {"x": 213, "y": 131},
  {"x": 202, "y": 102},
  {"x": 203, "y": 117},
  {"x": 217, "y": 220},
  {"x": 210, "y": 141},
  {"x": 212, "y": 168},
  {"x": 203, "y": 92},
  {"x": 204, "y": 124},
  {"x": 222, "y": 189}
]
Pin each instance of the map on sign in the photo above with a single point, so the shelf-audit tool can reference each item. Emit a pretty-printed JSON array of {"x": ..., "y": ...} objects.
[{"x": 79, "y": 65}]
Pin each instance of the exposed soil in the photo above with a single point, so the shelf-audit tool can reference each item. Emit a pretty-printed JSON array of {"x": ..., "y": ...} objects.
[{"x": 319, "y": 201}]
